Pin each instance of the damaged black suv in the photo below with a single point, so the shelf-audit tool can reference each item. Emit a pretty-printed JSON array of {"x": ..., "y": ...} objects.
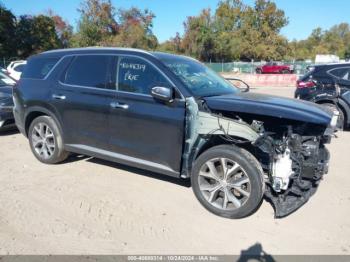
[{"x": 172, "y": 115}]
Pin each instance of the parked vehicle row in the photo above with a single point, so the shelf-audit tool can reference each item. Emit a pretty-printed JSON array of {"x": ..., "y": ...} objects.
[
  {"x": 274, "y": 68},
  {"x": 172, "y": 115},
  {"x": 6, "y": 101},
  {"x": 328, "y": 84}
]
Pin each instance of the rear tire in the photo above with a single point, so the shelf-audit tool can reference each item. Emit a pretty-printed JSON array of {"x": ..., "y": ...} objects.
[
  {"x": 258, "y": 71},
  {"x": 46, "y": 141},
  {"x": 285, "y": 71},
  {"x": 237, "y": 186}
]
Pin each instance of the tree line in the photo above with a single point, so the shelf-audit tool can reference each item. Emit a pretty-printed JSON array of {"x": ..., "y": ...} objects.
[{"x": 233, "y": 31}]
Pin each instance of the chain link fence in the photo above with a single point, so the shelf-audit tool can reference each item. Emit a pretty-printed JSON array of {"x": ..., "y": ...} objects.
[{"x": 300, "y": 68}]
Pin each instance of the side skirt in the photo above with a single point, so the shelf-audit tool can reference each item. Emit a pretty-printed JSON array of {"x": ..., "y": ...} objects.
[{"x": 121, "y": 159}]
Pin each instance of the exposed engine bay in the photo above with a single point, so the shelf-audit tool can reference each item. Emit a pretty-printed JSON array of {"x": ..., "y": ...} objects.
[
  {"x": 297, "y": 164},
  {"x": 293, "y": 155}
]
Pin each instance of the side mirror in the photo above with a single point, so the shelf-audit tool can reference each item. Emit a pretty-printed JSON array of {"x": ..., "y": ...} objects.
[
  {"x": 246, "y": 86},
  {"x": 163, "y": 93}
]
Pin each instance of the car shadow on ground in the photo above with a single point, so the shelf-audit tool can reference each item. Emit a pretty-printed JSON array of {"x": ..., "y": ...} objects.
[
  {"x": 255, "y": 253},
  {"x": 138, "y": 171}
]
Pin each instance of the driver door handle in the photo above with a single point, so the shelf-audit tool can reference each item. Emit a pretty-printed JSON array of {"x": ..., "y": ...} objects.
[
  {"x": 119, "y": 105},
  {"x": 58, "y": 97}
]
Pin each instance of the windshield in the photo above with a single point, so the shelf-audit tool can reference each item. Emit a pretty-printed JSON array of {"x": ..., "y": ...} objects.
[
  {"x": 5, "y": 80},
  {"x": 198, "y": 78}
]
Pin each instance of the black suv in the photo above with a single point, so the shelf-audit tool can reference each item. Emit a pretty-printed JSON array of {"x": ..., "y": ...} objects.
[
  {"x": 328, "y": 84},
  {"x": 172, "y": 115}
]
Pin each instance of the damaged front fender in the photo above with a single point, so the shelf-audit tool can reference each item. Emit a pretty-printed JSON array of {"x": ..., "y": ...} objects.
[
  {"x": 201, "y": 125},
  {"x": 293, "y": 164}
]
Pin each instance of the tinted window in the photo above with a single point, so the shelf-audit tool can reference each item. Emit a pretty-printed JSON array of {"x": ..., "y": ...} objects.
[
  {"x": 38, "y": 68},
  {"x": 342, "y": 73},
  {"x": 89, "y": 71},
  {"x": 138, "y": 76},
  {"x": 198, "y": 78},
  {"x": 307, "y": 76}
]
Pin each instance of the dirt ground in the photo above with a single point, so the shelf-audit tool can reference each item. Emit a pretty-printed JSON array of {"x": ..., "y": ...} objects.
[{"x": 90, "y": 206}]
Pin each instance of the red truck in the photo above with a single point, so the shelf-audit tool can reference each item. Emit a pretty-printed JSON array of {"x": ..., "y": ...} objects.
[{"x": 274, "y": 68}]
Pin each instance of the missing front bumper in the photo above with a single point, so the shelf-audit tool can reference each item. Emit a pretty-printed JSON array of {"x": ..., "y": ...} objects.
[{"x": 300, "y": 189}]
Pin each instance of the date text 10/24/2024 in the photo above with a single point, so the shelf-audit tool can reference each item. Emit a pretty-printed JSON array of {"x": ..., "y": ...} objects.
[{"x": 173, "y": 258}]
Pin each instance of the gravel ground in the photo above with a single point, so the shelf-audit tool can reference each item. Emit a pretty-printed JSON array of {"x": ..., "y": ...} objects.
[{"x": 90, "y": 206}]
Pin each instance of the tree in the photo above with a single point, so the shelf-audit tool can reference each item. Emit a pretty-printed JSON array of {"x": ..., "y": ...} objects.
[
  {"x": 135, "y": 29},
  {"x": 63, "y": 29},
  {"x": 260, "y": 27},
  {"x": 333, "y": 41},
  {"x": 96, "y": 23},
  {"x": 347, "y": 53},
  {"x": 7, "y": 33},
  {"x": 173, "y": 45},
  {"x": 228, "y": 15},
  {"x": 228, "y": 21},
  {"x": 35, "y": 34},
  {"x": 237, "y": 31},
  {"x": 199, "y": 36},
  {"x": 101, "y": 24}
]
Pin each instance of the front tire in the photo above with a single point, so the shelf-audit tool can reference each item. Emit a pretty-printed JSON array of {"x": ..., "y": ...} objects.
[
  {"x": 46, "y": 141},
  {"x": 228, "y": 181}
]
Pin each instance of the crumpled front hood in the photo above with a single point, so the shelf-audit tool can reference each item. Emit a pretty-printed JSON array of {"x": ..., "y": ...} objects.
[{"x": 269, "y": 105}]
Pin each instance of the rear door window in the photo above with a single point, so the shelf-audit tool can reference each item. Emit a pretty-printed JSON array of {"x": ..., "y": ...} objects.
[
  {"x": 38, "y": 68},
  {"x": 341, "y": 73},
  {"x": 136, "y": 75},
  {"x": 89, "y": 71}
]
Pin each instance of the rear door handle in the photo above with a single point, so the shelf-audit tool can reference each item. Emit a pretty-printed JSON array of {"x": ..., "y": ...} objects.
[
  {"x": 119, "y": 105},
  {"x": 58, "y": 97}
]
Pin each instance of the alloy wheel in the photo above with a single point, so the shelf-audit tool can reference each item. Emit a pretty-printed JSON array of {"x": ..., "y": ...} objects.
[
  {"x": 224, "y": 183},
  {"x": 43, "y": 140}
]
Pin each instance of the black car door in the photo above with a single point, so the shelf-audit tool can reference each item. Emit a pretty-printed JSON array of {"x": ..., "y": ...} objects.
[
  {"x": 144, "y": 131},
  {"x": 341, "y": 76},
  {"x": 82, "y": 98}
]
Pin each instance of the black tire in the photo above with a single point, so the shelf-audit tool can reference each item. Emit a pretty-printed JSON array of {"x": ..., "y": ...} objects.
[
  {"x": 57, "y": 154},
  {"x": 285, "y": 71},
  {"x": 252, "y": 169},
  {"x": 341, "y": 118},
  {"x": 258, "y": 71}
]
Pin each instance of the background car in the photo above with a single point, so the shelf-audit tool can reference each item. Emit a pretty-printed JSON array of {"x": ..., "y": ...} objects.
[
  {"x": 3, "y": 70},
  {"x": 328, "y": 84},
  {"x": 274, "y": 68},
  {"x": 15, "y": 68},
  {"x": 6, "y": 102}
]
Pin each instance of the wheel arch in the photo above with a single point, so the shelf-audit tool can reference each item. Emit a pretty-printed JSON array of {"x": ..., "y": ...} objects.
[
  {"x": 341, "y": 104},
  {"x": 35, "y": 112},
  {"x": 217, "y": 140}
]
